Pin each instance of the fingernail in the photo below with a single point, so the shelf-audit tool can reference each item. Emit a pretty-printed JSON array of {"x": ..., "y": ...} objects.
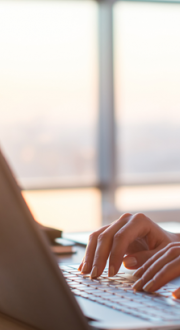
[
  {"x": 176, "y": 294},
  {"x": 130, "y": 262},
  {"x": 84, "y": 268},
  {"x": 111, "y": 271},
  {"x": 80, "y": 266},
  {"x": 138, "y": 272},
  {"x": 138, "y": 285},
  {"x": 94, "y": 272},
  {"x": 148, "y": 286}
]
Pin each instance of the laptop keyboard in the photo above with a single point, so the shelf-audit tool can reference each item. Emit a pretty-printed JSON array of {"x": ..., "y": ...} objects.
[{"x": 117, "y": 293}]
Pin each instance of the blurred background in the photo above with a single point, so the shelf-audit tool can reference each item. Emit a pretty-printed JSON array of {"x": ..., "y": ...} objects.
[{"x": 90, "y": 108}]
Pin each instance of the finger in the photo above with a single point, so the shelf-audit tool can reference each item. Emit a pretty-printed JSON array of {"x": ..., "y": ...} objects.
[
  {"x": 136, "y": 260},
  {"x": 156, "y": 267},
  {"x": 168, "y": 273},
  {"x": 136, "y": 228},
  {"x": 80, "y": 266},
  {"x": 86, "y": 265},
  {"x": 104, "y": 245},
  {"x": 154, "y": 257},
  {"x": 176, "y": 294}
]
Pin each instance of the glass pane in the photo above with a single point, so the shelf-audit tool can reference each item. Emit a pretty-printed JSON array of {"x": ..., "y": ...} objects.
[
  {"x": 147, "y": 80},
  {"x": 149, "y": 197},
  {"x": 51, "y": 208},
  {"x": 48, "y": 90}
]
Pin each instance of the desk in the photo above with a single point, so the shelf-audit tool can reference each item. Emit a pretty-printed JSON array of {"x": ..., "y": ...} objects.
[
  {"x": 7, "y": 323},
  {"x": 74, "y": 258}
]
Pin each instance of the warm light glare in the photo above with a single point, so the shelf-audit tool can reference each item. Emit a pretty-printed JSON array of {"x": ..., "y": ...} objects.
[
  {"x": 147, "y": 80},
  {"x": 142, "y": 198},
  {"x": 68, "y": 210},
  {"x": 49, "y": 88}
]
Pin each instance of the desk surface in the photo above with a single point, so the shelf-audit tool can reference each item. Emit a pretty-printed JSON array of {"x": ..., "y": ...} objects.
[
  {"x": 7, "y": 323},
  {"x": 74, "y": 258}
]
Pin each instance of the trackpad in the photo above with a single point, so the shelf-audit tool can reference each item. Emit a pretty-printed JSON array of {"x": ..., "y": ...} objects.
[{"x": 108, "y": 318}]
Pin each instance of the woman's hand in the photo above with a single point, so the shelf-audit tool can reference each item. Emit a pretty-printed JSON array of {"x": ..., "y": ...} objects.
[
  {"x": 163, "y": 267},
  {"x": 135, "y": 236}
]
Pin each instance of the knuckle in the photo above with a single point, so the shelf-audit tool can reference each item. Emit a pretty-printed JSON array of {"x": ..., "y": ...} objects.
[
  {"x": 119, "y": 235},
  {"x": 116, "y": 237},
  {"x": 142, "y": 216},
  {"x": 151, "y": 268},
  {"x": 144, "y": 268},
  {"x": 93, "y": 236},
  {"x": 173, "y": 251},
  {"x": 138, "y": 217},
  {"x": 164, "y": 270},
  {"x": 102, "y": 237},
  {"x": 124, "y": 216}
]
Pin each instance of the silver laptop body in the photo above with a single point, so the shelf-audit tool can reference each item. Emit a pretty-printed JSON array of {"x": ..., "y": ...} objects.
[{"x": 33, "y": 289}]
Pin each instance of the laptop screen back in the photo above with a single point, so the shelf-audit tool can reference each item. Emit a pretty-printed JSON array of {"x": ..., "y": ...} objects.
[{"x": 32, "y": 288}]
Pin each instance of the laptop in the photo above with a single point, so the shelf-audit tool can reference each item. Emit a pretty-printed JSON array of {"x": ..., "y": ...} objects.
[{"x": 35, "y": 290}]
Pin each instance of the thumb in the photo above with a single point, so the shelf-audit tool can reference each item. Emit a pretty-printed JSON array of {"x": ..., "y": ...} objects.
[
  {"x": 136, "y": 260},
  {"x": 176, "y": 294}
]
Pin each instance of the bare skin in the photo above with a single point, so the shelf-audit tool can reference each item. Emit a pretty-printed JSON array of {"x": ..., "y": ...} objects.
[
  {"x": 163, "y": 267},
  {"x": 136, "y": 241}
]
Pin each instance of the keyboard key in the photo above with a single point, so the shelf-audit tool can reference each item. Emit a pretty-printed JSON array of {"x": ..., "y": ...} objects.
[{"x": 117, "y": 293}]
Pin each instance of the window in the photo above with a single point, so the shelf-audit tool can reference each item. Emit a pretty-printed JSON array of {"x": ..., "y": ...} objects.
[
  {"x": 147, "y": 52},
  {"x": 49, "y": 91},
  {"x": 147, "y": 80},
  {"x": 89, "y": 95}
]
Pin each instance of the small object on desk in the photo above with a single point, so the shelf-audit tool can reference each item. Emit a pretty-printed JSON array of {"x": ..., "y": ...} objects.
[
  {"x": 83, "y": 237},
  {"x": 63, "y": 246},
  {"x": 79, "y": 237},
  {"x": 51, "y": 233}
]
